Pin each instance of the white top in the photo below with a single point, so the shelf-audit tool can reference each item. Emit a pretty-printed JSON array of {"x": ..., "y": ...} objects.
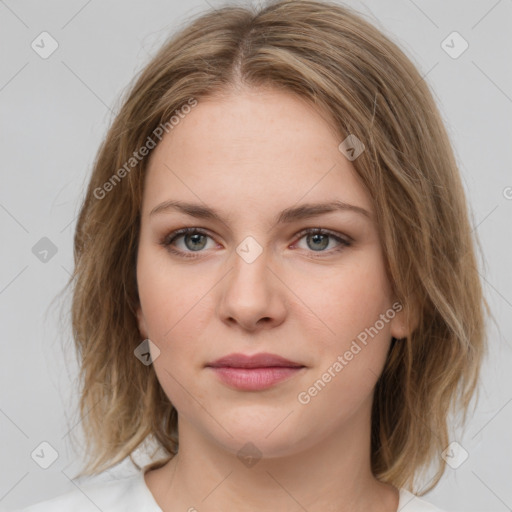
[{"x": 132, "y": 493}]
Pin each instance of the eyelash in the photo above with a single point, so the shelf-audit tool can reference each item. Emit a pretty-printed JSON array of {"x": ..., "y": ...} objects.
[{"x": 171, "y": 237}]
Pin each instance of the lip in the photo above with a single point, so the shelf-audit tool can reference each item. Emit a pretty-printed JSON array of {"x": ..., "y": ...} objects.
[
  {"x": 255, "y": 372},
  {"x": 262, "y": 360}
]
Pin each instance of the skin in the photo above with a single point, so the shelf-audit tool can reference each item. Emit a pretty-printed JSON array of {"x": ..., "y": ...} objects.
[{"x": 250, "y": 156}]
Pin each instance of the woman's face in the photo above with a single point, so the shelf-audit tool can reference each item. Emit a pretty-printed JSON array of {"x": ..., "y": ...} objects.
[{"x": 252, "y": 173}]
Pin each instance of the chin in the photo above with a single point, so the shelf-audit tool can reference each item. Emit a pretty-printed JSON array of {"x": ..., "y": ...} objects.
[{"x": 264, "y": 436}]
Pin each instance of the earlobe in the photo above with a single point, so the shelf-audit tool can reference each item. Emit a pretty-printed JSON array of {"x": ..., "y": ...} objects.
[
  {"x": 141, "y": 322},
  {"x": 403, "y": 323}
]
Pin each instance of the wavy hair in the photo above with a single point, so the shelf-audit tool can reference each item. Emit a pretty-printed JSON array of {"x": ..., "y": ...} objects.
[{"x": 345, "y": 67}]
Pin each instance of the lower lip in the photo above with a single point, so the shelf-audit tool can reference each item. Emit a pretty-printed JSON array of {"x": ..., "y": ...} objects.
[{"x": 254, "y": 379}]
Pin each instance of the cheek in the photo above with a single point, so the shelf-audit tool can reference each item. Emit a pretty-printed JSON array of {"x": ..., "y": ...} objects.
[
  {"x": 344, "y": 301},
  {"x": 174, "y": 305},
  {"x": 171, "y": 299},
  {"x": 347, "y": 370},
  {"x": 350, "y": 361}
]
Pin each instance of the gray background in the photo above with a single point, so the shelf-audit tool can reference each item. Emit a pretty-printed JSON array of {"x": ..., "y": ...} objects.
[{"x": 53, "y": 115}]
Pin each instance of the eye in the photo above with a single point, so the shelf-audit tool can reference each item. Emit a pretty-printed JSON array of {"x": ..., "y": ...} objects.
[
  {"x": 318, "y": 239},
  {"x": 194, "y": 240},
  {"x": 186, "y": 242}
]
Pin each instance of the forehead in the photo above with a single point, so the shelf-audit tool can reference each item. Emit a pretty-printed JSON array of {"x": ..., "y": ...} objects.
[{"x": 258, "y": 148}]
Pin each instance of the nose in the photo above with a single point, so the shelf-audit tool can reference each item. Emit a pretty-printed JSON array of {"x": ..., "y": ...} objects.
[{"x": 252, "y": 297}]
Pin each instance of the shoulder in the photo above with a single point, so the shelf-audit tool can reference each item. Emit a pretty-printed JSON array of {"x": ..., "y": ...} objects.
[
  {"x": 411, "y": 503},
  {"x": 112, "y": 496}
]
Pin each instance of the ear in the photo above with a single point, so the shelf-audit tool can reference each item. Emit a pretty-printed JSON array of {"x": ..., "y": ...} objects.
[
  {"x": 141, "y": 321},
  {"x": 404, "y": 322}
]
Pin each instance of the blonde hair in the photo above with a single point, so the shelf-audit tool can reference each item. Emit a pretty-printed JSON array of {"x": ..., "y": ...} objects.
[{"x": 330, "y": 56}]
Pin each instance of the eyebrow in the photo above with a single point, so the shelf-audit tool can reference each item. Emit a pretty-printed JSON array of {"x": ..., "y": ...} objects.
[{"x": 288, "y": 215}]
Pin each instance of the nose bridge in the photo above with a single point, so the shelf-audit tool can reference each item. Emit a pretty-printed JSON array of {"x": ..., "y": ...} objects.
[
  {"x": 250, "y": 292},
  {"x": 249, "y": 277}
]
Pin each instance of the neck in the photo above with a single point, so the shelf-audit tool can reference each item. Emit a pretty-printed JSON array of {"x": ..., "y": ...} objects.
[{"x": 332, "y": 474}]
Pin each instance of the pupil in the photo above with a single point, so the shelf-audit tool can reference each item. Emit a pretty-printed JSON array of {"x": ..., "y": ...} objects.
[
  {"x": 325, "y": 239},
  {"x": 194, "y": 237}
]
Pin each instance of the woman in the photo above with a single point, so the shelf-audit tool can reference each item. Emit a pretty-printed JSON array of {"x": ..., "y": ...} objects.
[{"x": 275, "y": 274}]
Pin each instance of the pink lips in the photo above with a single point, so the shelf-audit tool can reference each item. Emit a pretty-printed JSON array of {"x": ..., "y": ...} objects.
[{"x": 254, "y": 373}]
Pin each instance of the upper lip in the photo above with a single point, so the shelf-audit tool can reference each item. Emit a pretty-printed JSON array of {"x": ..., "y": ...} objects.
[{"x": 253, "y": 361}]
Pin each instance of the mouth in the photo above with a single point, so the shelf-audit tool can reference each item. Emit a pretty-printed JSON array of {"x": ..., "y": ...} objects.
[{"x": 254, "y": 373}]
